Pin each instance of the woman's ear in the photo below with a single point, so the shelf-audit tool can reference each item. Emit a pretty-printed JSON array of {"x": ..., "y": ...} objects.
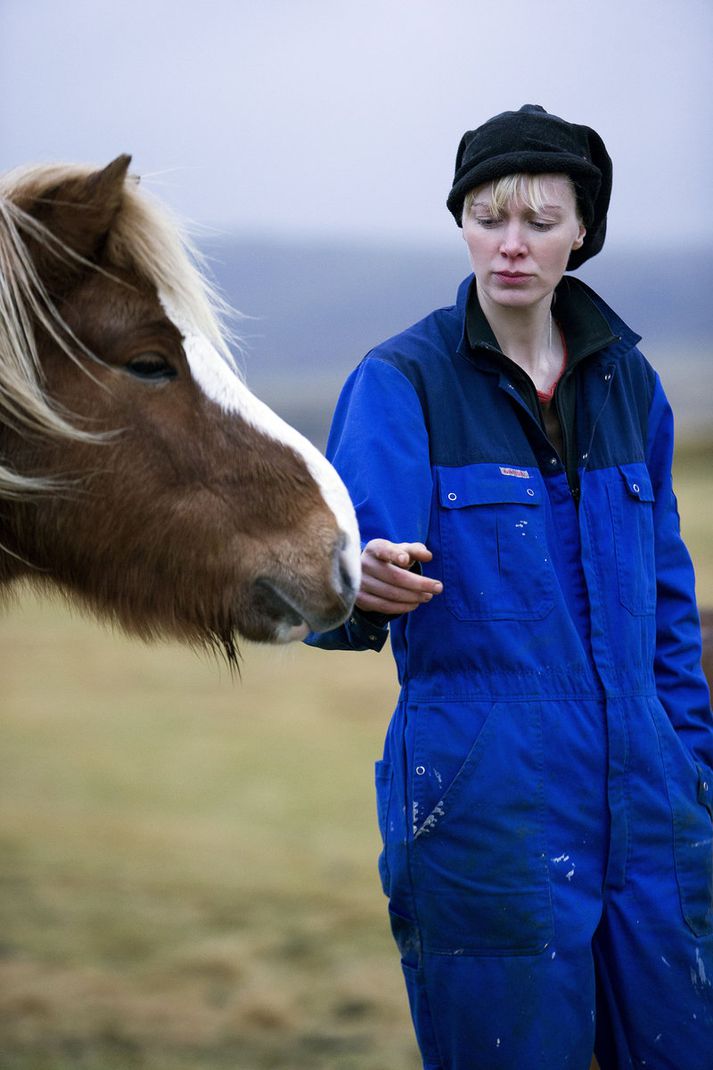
[{"x": 579, "y": 240}]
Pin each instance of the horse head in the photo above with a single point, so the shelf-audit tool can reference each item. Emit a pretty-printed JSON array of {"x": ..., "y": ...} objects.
[{"x": 138, "y": 474}]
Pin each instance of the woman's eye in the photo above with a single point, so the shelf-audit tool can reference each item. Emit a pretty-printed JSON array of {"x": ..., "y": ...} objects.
[
  {"x": 541, "y": 224},
  {"x": 151, "y": 366},
  {"x": 486, "y": 221}
]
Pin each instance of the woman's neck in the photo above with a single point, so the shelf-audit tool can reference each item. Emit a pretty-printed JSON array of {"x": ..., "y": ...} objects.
[{"x": 528, "y": 337}]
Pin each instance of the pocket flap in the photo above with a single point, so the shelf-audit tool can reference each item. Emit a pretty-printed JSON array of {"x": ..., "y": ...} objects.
[
  {"x": 488, "y": 484},
  {"x": 638, "y": 481}
]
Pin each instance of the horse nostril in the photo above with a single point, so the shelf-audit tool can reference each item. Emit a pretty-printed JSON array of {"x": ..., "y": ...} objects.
[
  {"x": 346, "y": 582},
  {"x": 274, "y": 602}
]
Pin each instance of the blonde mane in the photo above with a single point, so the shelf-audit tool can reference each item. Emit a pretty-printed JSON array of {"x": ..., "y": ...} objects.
[{"x": 144, "y": 237}]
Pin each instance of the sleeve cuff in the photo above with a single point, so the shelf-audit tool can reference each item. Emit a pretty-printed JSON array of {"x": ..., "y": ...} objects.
[{"x": 368, "y": 631}]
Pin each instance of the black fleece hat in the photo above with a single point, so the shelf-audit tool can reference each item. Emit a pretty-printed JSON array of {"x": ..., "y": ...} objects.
[{"x": 532, "y": 141}]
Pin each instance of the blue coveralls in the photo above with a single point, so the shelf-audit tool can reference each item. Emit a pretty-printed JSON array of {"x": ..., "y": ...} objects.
[{"x": 546, "y": 794}]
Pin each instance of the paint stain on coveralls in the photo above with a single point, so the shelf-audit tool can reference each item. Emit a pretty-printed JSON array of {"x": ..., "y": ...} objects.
[
  {"x": 565, "y": 858},
  {"x": 430, "y": 822},
  {"x": 698, "y": 975}
]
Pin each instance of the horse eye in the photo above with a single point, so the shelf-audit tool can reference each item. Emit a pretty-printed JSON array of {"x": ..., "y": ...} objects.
[{"x": 151, "y": 366}]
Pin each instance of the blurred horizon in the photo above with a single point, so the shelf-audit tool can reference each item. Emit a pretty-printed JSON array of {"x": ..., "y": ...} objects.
[
  {"x": 310, "y": 148},
  {"x": 313, "y": 308}
]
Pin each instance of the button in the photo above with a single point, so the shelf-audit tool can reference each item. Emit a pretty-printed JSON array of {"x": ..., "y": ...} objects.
[
  {"x": 372, "y": 638},
  {"x": 452, "y": 497},
  {"x": 635, "y": 487},
  {"x": 705, "y": 785},
  {"x": 584, "y": 456},
  {"x": 553, "y": 460},
  {"x": 607, "y": 377},
  {"x": 420, "y": 770},
  {"x": 531, "y": 492}
]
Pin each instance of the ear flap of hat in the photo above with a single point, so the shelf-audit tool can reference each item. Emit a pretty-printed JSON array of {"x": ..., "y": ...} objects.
[
  {"x": 462, "y": 147},
  {"x": 594, "y": 239}
]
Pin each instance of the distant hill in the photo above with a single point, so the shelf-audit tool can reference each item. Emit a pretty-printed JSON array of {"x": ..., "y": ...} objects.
[{"x": 316, "y": 308}]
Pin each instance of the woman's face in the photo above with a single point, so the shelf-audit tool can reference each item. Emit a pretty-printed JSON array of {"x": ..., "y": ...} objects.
[{"x": 519, "y": 256}]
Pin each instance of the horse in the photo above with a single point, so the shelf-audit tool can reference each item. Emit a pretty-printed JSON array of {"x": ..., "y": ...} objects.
[{"x": 139, "y": 477}]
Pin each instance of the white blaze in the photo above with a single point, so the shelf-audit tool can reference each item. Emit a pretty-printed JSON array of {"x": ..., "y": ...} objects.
[{"x": 222, "y": 385}]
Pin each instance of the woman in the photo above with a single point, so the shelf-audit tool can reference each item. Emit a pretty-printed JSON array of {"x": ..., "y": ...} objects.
[{"x": 546, "y": 791}]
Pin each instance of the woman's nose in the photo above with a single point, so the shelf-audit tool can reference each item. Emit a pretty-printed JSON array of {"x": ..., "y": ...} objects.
[{"x": 513, "y": 240}]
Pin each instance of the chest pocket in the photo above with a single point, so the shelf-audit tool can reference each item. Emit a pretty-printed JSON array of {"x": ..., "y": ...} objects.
[
  {"x": 631, "y": 500},
  {"x": 496, "y": 562}
]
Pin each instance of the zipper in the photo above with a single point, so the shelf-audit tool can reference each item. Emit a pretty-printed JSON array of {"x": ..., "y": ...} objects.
[
  {"x": 575, "y": 490},
  {"x": 609, "y": 378}
]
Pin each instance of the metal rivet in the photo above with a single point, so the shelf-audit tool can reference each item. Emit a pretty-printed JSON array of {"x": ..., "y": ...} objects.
[
  {"x": 607, "y": 377},
  {"x": 372, "y": 638},
  {"x": 531, "y": 492},
  {"x": 553, "y": 460},
  {"x": 420, "y": 770},
  {"x": 584, "y": 456},
  {"x": 452, "y": 497}
]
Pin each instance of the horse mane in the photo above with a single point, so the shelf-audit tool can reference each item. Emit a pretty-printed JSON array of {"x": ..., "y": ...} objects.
[{"x": 144, "y": 238}]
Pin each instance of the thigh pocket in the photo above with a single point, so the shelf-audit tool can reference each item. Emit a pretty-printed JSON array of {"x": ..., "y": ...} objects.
[
  {"x": 479, "y": 857},
  {"x": 496, "y": 562},
  {"x": 690, "y": 792},
  {"x": 631, "y": 500},
  {"x": 383, "y": 775},
  {"x": 693, "y": 831}
]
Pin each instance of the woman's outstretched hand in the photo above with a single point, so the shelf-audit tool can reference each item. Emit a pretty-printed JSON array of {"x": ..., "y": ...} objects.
[{"x": 387, "y": 586}]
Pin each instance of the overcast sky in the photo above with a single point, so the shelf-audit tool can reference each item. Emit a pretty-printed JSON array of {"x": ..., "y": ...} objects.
[{"x": 343, "y": 118}]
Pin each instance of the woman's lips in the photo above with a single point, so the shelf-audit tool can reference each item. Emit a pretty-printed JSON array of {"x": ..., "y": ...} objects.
[{"x": 512, "y": 278}]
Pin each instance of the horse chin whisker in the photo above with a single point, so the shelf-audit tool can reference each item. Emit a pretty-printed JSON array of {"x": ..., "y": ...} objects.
[
  {"x": 230, "y": 650},
  {"x": 223, "y": 647}
]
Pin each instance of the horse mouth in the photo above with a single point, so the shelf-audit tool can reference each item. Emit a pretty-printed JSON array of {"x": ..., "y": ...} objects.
[{"x": 285, "y": 616}]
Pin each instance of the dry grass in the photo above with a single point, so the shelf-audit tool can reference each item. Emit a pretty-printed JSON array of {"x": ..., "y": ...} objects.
[{"x": 188, "y": 876}]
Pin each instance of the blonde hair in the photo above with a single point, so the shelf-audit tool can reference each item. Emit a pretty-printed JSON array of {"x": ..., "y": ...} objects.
[{"x": 524, "y": 189}]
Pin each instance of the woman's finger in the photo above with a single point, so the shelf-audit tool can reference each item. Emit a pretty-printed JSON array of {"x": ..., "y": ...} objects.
[
  {"x": 383, "y": 589},
  {"x": 387, "y": 552},
  {"x": 416, "y": 551},
  {"x": 372, "y": 604},
  {"x": 401, "y": 578}
]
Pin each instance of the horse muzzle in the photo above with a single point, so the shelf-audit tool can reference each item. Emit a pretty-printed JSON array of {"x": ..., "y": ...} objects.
[{"x": 289, "y": 608}]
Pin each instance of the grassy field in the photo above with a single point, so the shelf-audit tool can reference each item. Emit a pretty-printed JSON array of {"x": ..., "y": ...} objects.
[{"x": 188, "y": 863}]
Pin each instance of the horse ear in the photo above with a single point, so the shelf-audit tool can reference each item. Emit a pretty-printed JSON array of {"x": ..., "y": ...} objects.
[{"x": 80, "y": 210}]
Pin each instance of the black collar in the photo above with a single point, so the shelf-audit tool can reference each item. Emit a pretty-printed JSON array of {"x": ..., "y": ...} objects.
[{"x": 585, "y": 329}]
